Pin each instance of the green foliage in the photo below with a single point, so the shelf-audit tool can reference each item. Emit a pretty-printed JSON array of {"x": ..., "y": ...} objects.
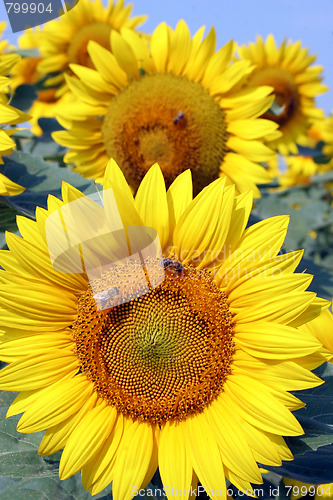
[
  {"x": 40, "y": 178},
  {"x": 310, "y": 227},
  {"x": 7, "y": 222},
  {"x": 26, "y": 475},
  {"x": 313, "y": 452}
]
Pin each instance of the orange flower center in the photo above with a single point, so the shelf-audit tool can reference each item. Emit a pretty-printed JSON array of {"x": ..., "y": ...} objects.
[
  {"x": 77, "y": 51},
  {"x": 162, "y": 356},
  {"x": 166, "y": 119},
  {"x": 285, "y": 90}
]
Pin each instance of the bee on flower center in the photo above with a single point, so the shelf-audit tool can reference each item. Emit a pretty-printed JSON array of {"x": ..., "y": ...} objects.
[
  {"x": 106, "y": 295},
  {"x": 180, "y": 121}
]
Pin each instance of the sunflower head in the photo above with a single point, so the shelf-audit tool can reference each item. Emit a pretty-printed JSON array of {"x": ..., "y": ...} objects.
[
  {"x": 64, "y": 41},
  {"x": 157, "y": 324},
  {"x": 288, "y": 69},
  {"x": 173, "y": 100},
  {"x": 301, "y": 168}
]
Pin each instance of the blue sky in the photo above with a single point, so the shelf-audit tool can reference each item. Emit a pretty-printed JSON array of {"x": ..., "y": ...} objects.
[{"x": 310, "y": 21}]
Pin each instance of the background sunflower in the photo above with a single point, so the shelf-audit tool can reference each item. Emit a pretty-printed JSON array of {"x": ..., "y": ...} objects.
[
  {"x": 176, "y": 101},
  {"x": 296, "y": 83}
]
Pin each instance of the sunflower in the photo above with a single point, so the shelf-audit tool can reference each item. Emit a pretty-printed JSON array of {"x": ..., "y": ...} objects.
[
  {"x": 183, "y": 355},
  {"x": 62, "y": 42},
  {"x": 8, "y": 116},
  {"x": 296, "y": 82},
  {"x": 65, "y": 40},
  {"x": 176, "y": 102},
  {"x": 47, "y": 102},
  {"x": 300, "y": 168}
]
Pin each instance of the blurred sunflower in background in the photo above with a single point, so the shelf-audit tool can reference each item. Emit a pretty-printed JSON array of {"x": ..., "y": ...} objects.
[
  {"x": 104, "y": 381},
  {"x": 8, "y": 116},
  {"x": 3, "y": 43},
  {"x": 26, "y": 72},
  {"x": 175, "y": 101},
  {"x": 288, "y": 69},
  {"x": 300, "y": 168},
  {"x": 62, "y": 42}
]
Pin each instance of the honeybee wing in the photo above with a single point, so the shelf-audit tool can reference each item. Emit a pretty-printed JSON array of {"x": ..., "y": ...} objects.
[{"x": 101, "y": 295}]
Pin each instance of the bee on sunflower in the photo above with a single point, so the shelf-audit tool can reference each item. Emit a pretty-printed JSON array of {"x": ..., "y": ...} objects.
[
  {"x": 173, "y": 100},
  {"x": 192, "y": 374}
]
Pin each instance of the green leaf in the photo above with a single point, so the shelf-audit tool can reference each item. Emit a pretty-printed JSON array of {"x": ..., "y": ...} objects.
[
  {"x": 275, "y": 109},
  {"x": 48, "y": 489},
  {"x": 316, "y": 434},
  {"x": 313, "y": 451},
  {"x": 23, "y": 464},
  {"x": 315, "y": 467},
  {"x": 27, "y": 52},
  {"x": 24, "y": 473},
  {"x": 23, "y": 134},
  {"x": 319, "y": 400},
  {"x": 321, "y": 178},
  {"x": 315, "y": 153},
  {"x": 322, "y": 282},
  {"x": 7, "y": 222},
  {"x": 40, "y": 178}
]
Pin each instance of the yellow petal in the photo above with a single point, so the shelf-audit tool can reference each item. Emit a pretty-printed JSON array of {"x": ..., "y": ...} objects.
[
  {"x": 160, "y": 47},
  {"x": 56, "y": 404},
  {"x": 33, "y": 374},
  {"x": 133, "y": 459},
  {"x": 151, "y": 203},
  {"x": 205, "y": 456},
  {"x": 91, "y": 472},
  {"x": 174, "y": 465},
  {"x": 124, "y": 55},
  {"x": 260, "y": 408},
  {"x": 179, "y": 196},
  {"x": 87, "y": 439},
  {"x": 107, "y": 65}
]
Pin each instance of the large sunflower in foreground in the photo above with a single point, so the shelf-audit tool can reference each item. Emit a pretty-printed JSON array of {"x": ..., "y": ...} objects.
[
  {"x": 8, "y": 116},
  {"x": 129, "y": 372},
  {"x": 288, "y": 68},
  {"x": 176, "y": 102}
]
